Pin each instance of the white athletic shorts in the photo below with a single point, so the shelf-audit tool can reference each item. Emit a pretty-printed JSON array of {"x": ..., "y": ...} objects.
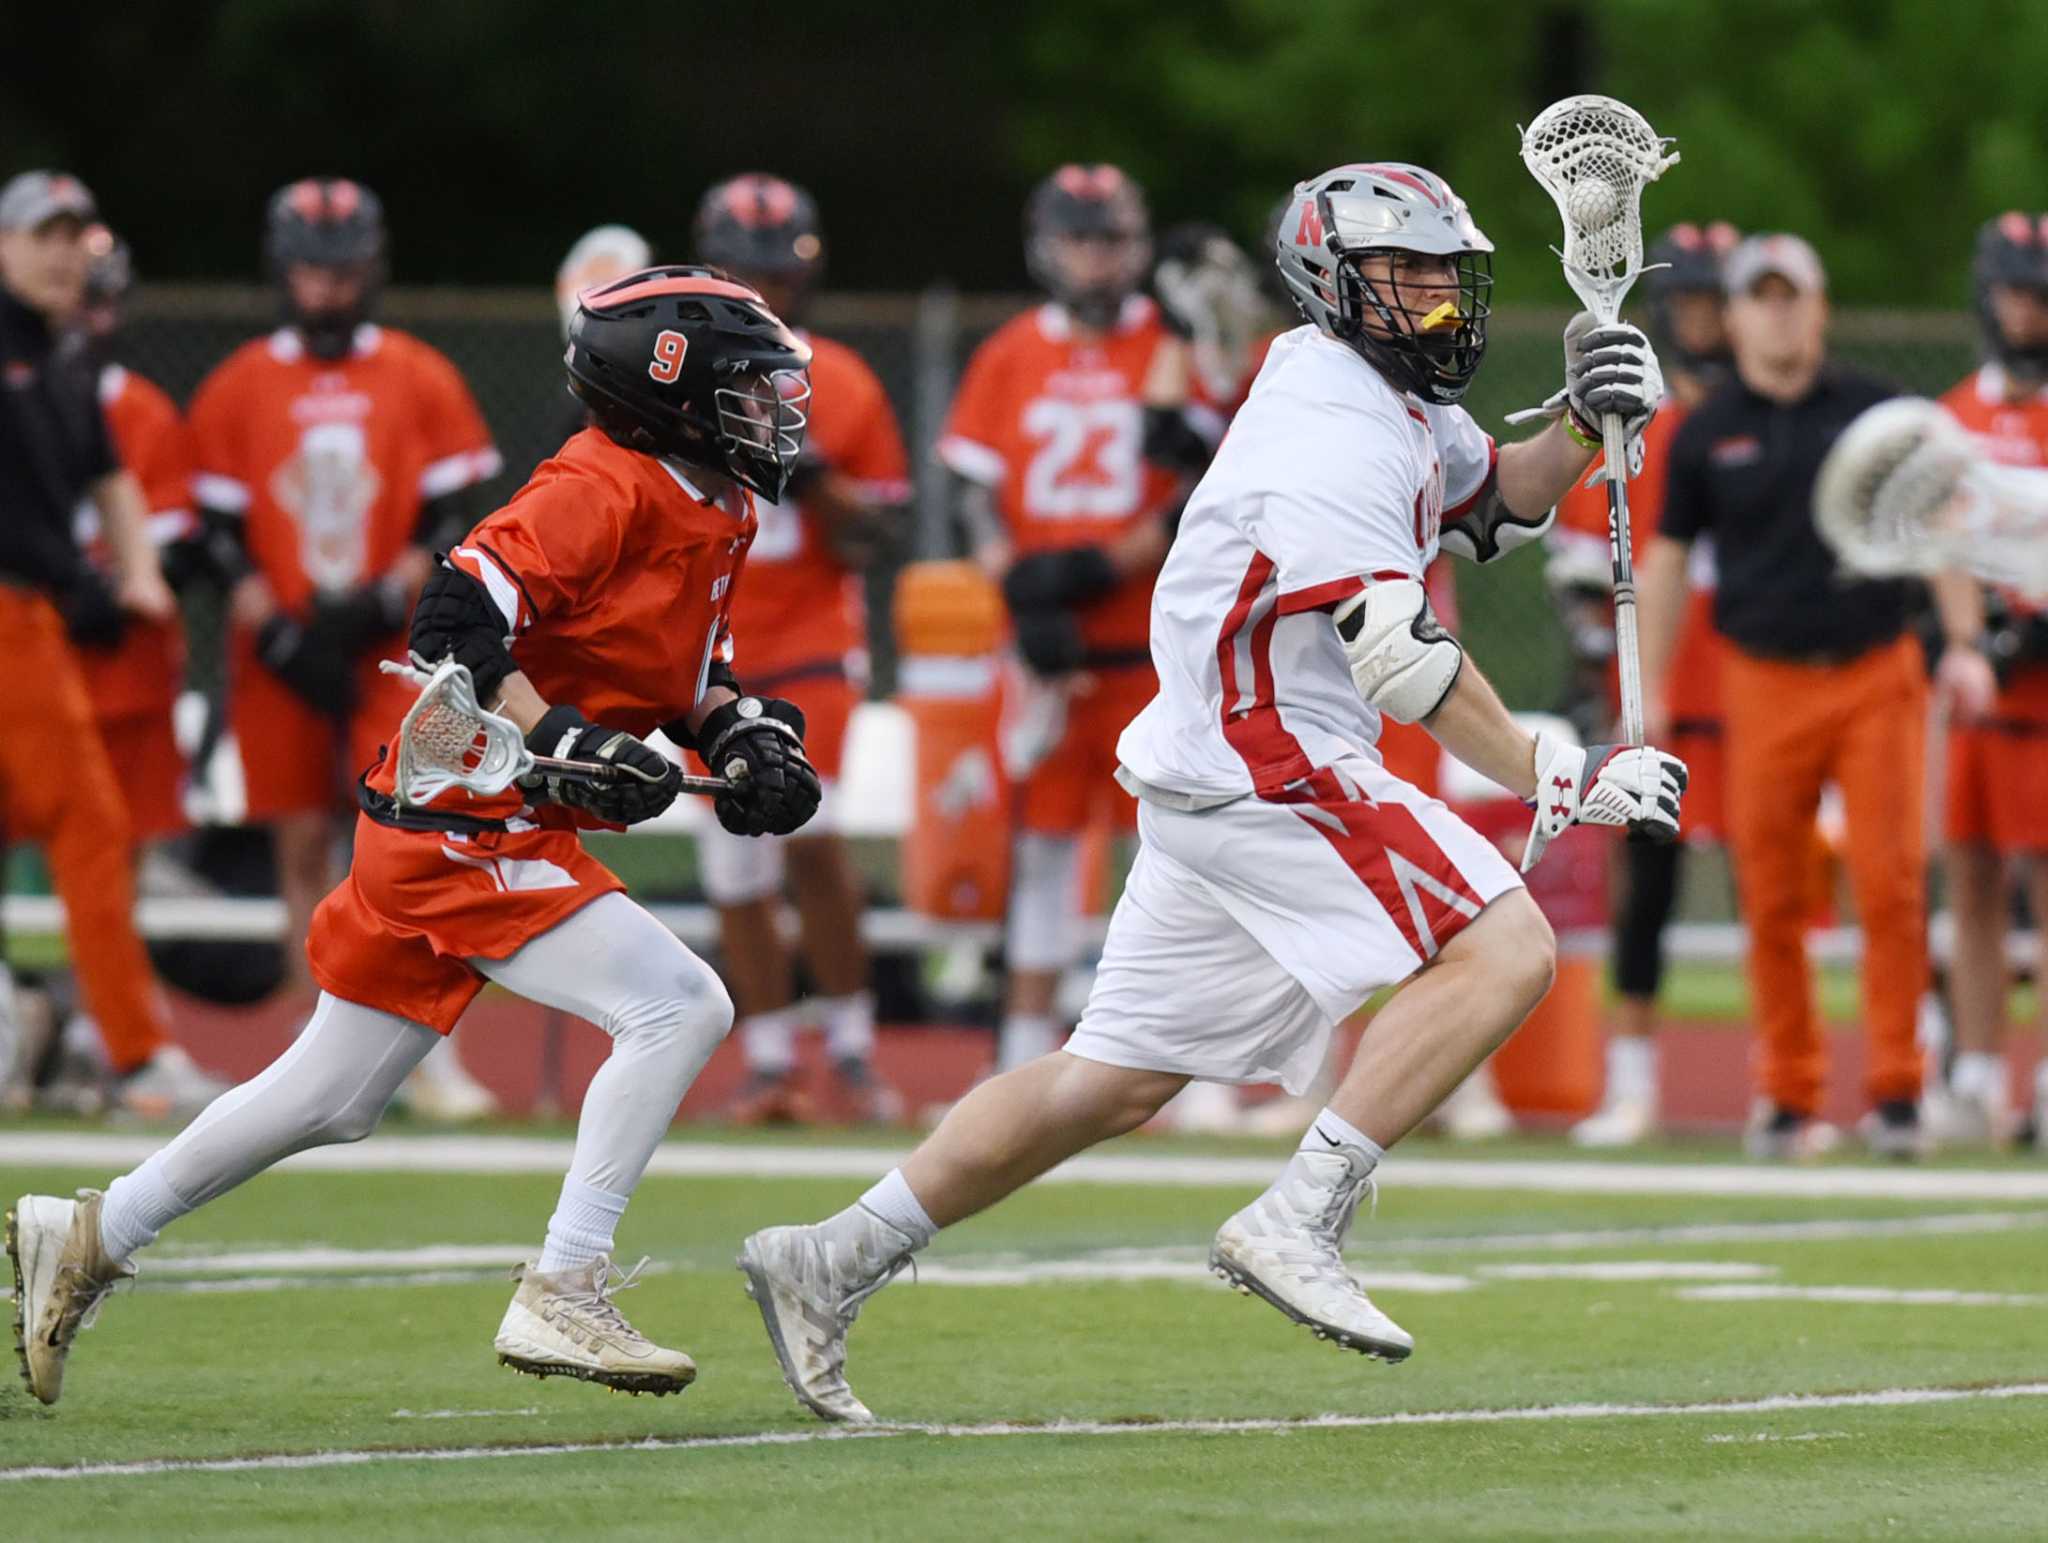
[
  {"x": 739, "y": 869},
  {"x": 1247, "y": 932}
]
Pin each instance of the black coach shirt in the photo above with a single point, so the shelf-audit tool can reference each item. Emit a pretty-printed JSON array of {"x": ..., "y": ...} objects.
[
  {"x": 53, "y": 447},
  {"x": 1742, "y": 471}
]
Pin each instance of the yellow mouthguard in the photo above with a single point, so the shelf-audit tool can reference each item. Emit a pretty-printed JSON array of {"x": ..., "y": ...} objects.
[{"x": 1445, "y": 315}]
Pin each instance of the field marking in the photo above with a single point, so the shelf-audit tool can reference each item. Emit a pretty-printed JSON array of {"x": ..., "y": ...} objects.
[
  {"x": 320, "y": 1256},
  {"x": 1889, "y": 1398},
  {"x": 462, "y": 1414},
  {"x": 696, "y": 1159},
  {"x": 1630, "y": 1269},
  {"x": 1880, "y": 1296}
]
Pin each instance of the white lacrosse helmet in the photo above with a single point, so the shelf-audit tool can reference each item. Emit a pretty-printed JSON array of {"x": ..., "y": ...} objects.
[{"x": 1388, "y": 206}]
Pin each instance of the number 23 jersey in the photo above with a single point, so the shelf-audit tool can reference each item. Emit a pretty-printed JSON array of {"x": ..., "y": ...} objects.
[
  {"x": 1053, "y": 422},
  {"x": 1329, "y": 480}
]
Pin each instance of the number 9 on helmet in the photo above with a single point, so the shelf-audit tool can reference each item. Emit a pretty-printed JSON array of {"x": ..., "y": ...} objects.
[{"x": 685, "y": 361}]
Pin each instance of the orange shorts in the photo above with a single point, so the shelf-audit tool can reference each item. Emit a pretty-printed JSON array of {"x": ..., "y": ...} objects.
[
  {"x": 398, "y": 933},
  {"x": 1076, "y": 781},
  {"x": 1998, "y": 770},
  {"x": 299, "y": 761},
  {"x": 143, "y": 748},
  {"x": 828, "y": 702},
  {"x": 1703, "y": 812}
]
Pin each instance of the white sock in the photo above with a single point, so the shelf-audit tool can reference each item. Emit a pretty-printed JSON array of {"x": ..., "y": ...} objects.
[
  {"x": 1980, "y": 1075},
  {"x": 1026, "y": 1037},
  {"x": 891, "y": 1199},
  {"x": 1330, "y": 1131},
  {"x": 849, "y": 1026},
  {"x": 138, "y": 1206},
  {"x": 769, "y": 1040},
  {"x": 586, "y": 1219},
  {"x": 1631, "y": 1068}
]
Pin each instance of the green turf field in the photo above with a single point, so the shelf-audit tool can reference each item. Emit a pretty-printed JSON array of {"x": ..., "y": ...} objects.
[{"x": 1073, "y": 1372}]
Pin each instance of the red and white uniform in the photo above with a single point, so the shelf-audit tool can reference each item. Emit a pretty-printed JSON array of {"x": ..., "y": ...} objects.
[
  {"x": 328, "y": 464},
  {"x": 615, "y": 576},
  {"x": 135, "y": 684},
  {"x": 1998, "y": 768},
  {"x": 1053, "y": 422},
  {"x": 1694, "y": 680},
  {"x": 1284, "y": 874}
]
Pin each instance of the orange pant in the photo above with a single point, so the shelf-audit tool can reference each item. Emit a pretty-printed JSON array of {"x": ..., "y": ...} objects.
[
  {"x": 57, "y": 788},
  {"x": 1792, "y": 727}
]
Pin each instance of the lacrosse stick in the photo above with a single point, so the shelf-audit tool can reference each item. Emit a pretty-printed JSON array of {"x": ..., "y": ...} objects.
[
  {"x": 1905, "y": 491},
  {"x": 448, "y": 739},
  {"x": 1594, "y": 155}
]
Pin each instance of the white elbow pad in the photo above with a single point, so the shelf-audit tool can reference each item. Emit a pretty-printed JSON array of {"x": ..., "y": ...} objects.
[{"x": 1402, "y": 661}]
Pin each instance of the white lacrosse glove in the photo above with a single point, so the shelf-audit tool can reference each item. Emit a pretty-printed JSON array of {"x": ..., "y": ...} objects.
[
  {"x": 1606, "y": 370},
  {"x": 1623, "y": 785}
]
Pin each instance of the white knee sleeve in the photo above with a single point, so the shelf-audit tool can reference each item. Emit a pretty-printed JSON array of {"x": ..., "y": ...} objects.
[{"x": 1044, "y": 895}]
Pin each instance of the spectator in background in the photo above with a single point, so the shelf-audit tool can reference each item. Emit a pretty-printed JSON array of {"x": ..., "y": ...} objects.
[
  {"x": 1997, "y": 763},
  {"x": 801, "y": 619},
  {"x": 1684, "y": 303},
  {"x": 56, "y": 784},
  {"x": 1820, "y": 680},
  {"x": 601, "y": 254},
  {"x": 334, "y": 457}
]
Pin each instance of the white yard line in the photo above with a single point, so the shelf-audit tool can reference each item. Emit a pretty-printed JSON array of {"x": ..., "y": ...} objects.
[
  {"x": 1879, "y": 1296},
  {"x": 1891, "y": 1398},
  {"x": 689, "y": 1159},
  {"x": 1630, "y": 1269}
]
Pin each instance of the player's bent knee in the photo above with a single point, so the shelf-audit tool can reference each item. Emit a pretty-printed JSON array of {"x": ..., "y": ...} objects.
[
  {"x": 676, "y": 1018},
  {"x": 1519, "y": 947}
]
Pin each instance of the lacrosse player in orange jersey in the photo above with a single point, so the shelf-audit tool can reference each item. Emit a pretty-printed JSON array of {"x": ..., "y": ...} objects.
[
  {"x": 591, "y": 609},
  {"x": 1074, "y": 434},
  {"x": 1997, "y": 797},
  {"x": 802, "y": 615}
]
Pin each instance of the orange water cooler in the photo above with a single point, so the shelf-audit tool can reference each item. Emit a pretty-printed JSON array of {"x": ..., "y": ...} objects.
[{"x": 950, "y": 623}]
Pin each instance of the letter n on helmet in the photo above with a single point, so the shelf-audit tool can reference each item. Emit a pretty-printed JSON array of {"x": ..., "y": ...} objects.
[{"x": 684, "y": 361}]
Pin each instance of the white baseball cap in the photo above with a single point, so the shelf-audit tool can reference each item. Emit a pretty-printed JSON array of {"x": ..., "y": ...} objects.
[
  {"x": 1788, "y": 257},
  {"x": 35, "y": 197}
]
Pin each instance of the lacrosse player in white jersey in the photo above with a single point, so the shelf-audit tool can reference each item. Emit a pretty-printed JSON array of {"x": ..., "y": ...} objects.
[{"x": 1283, "y": 875}]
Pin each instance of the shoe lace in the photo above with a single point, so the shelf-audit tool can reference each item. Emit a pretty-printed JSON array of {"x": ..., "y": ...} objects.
[
  {"x": 607, "y": 1282},
  {"x": 1330, "y": 1224},
  {"x": 83, "y": 1295}
]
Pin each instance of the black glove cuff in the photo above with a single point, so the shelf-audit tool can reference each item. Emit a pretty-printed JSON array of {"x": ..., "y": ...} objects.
[
  {"x": 556, "y": 731},
  {"x": 278, "y": 639},
  {"x": 748, "y": 715}
]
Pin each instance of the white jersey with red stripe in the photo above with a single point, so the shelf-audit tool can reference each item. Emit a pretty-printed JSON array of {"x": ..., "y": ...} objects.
[{"x": 1329, "y": 480}]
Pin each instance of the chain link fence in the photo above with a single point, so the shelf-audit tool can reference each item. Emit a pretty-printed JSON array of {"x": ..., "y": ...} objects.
[{"x": 507, "y": 344}]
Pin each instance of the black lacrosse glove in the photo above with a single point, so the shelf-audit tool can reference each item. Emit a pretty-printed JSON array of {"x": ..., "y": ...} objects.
[
  {"x": 1071, "y": 576},
  {"x": 646, "y": 781},
  {"x": 296, "y": 653},
  {"x": 757, "y": 745},
  {"x": 357, "y": 620},
  {"x": 92, "y": 615},
  {"x": 1050, "y": 641}
]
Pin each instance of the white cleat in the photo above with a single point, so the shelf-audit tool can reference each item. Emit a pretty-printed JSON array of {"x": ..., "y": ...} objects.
[
  {"x": 1954, "y": 1119},
  {"x": 565, "y": 1324},
  {"x": 1621, "y": 1122},
  {"x": 169, "y": 1085},
  {"x": 61, "y": 1275},
  {"x": 442, "y": 1092},
  {"x": 810, "y": 1289},
  {"x": 1474, "y": 1112},
  {"x": 1288, "y": 1248}
]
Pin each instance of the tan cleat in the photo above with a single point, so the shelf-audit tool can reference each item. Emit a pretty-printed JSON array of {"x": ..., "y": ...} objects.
[
  {"x": 61, "y": 1275},
  {"x": 567, "y": 1325}
]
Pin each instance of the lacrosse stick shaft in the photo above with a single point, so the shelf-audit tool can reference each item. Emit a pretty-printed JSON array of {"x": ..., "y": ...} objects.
[
  {"x": 598, "y": 773},
  {"x": 1627, "y": 656}
]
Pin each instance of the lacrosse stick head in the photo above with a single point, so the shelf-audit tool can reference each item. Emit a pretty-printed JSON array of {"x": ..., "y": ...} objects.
[
  {"x": 1594, "y": 156},
  {"x": 448, "y": 739}
]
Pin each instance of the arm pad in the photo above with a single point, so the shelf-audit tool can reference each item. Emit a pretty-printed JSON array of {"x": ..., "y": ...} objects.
[
  {"x": 1490, "y": 529},
  {"x": 1172, "y": 441},
  {"x": 1402, "y": 660},
  {"x": 456, "y": 617},
  {"x": 1070, "y": 576}
]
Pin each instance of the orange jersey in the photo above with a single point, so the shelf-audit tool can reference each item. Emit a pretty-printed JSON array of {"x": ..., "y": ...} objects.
[
  {"x": 2011, "y": 433},
  {"x": 1694, "y": 686},
  {"x": 142, "y": 674},
  {"x": 1054, "y": 423},
  {"x": 801, "y": 609},
  {"x": 615, "y": 577},
  {"x": 329, "y": 462}
]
